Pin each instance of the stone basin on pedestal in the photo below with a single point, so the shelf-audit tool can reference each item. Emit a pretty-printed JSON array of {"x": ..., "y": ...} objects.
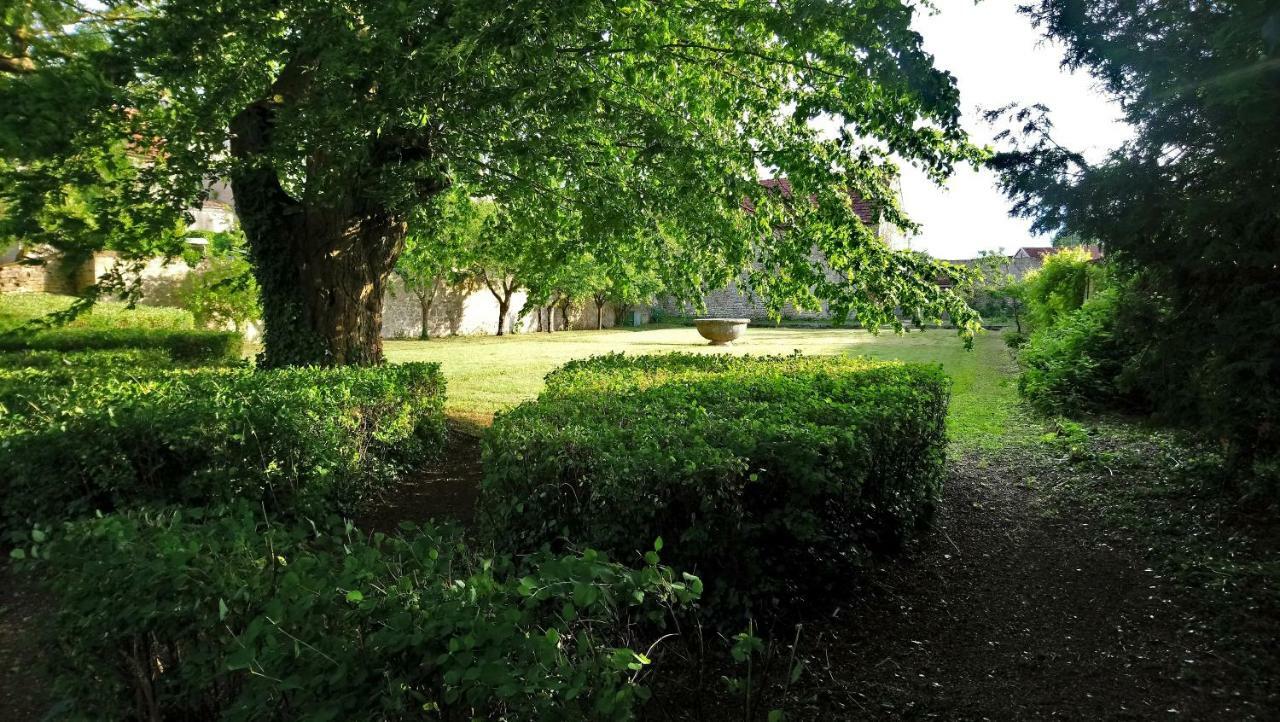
[{"x": 721, "y": 331}]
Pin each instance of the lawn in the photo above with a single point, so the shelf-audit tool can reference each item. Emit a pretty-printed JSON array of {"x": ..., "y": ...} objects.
[{"x": 488, "y": 373}]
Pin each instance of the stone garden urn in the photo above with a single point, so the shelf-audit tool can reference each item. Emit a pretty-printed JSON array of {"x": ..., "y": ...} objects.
[{"x": 721, "y": 331}]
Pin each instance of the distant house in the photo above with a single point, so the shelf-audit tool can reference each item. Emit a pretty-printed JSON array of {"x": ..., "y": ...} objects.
[{"x": 1029, "y": 258}]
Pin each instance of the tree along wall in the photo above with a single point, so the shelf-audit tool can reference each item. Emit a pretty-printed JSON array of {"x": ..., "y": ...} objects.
[{"x": 470, "y": 311}]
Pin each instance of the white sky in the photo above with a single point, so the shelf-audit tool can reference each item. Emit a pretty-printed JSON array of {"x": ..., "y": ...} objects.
[{"x": 998, "y": 58}]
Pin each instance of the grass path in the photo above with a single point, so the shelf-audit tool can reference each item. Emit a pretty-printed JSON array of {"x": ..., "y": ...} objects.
[{"x": 487, "y": 374}]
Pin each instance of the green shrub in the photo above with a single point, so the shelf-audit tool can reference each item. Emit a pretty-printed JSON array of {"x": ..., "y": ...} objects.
[
  {"x": 769, "y": 477},
  {"x": 289, "y": 438},
  {"x": 1014, "y": 339},
  {"x": 219, "y": 615},
  {"x": 1081, "y": 363},
  {"x": 183, "y": 346},
  {"x": 1057, "y": 288},
  {"x": 106, "y": 362},
  {"x": 38, "y": 381},
  {"x": 17, "y": 309}
]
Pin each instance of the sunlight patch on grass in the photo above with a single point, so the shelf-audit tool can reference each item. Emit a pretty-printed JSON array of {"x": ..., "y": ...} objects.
[{"x": 487, "y": 373}]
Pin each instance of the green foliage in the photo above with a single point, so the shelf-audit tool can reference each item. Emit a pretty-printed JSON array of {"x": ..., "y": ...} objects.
[
  {"x": 126, "y": 360},
  {"x": 1188, "y": 202},
  {"x": 1057, "y": 288},
  {"x": 1014, "y": 339},
  {"x": 771, "y": 477},
  {"x": 439, "y": 244},
  {"x": 633, "y": 128},
  {"x": 79, "y": 441},
  {"x": 183, "y": 346},
  {"x": 221, "y": 291},
  {"x": 1082, "y": 363},
  {"x": 995, "y": 293},
  {"x": 190, "y": 614},
  {"x": 20, "y": 309}
]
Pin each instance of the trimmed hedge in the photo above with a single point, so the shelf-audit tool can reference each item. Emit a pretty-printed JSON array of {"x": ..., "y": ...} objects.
[
  {"x": 771, "y": 478},
  {"x": 17, "y": 309},
  {"x": 290, "y": 438},
  {"x": 187, "y": 346},
  {"x": 116, "y": 361},
  {"x": 219, "y": 615}
]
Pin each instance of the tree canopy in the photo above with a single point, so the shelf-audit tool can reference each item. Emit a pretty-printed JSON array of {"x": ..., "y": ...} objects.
[
  {"x": 1188, "y": 204},
  {"x": 638, "y": 126}
]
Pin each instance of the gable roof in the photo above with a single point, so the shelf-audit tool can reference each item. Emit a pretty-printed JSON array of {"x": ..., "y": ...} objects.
[{"x": 1039, "y": 252}]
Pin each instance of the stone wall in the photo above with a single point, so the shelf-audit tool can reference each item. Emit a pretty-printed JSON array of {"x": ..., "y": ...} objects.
[
  {"x": 472, "y": 310},
  {"x": 52, "y": 277}
]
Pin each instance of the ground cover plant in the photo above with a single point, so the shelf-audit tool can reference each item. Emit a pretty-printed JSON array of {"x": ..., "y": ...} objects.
[
  {"x": 194, "y": 614},
  {"x": 289, "y": 438},
  {"x": 772, "y": 478}
]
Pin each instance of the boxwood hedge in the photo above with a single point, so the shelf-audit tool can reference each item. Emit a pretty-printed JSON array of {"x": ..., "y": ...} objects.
[
  {"x": 219, "y": 614},
  {"x": 287, "y": 437},
  {"x": 184, "y": 346},
  {"x": 770, "y": 478}
]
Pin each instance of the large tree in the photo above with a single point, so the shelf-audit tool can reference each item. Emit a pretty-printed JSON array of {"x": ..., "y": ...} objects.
[
  {"x": 336, "y": 120},
  {"x": 1189, "y": 203}
]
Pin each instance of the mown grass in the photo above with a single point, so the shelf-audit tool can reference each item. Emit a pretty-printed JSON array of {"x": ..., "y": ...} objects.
[{"x": 487, "y": 374}]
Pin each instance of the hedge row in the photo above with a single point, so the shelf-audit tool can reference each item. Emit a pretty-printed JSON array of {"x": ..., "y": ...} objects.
[
  {"x": 184, "y": 346},
  {"x": 772, "y": 478},
  {"x": 36, "y": 382},
  {"x": 19, "y": 309},
  {"x": 218, "y": 615},
  {"x": 288, "y": 438},
  {"x": 89, "y": 362}
]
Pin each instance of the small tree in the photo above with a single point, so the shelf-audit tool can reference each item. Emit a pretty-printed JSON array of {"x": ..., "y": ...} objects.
[
  {"x": 222, "y": 291},
  {"x": 435, "y": 246},
  {"x": 1058, "y": 287},
  {"x": 996, "y": 289},
  {"x": 504, "y": 257}
]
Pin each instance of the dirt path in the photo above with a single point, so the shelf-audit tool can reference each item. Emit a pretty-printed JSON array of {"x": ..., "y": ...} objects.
[{"x": 1013, "y": 611}]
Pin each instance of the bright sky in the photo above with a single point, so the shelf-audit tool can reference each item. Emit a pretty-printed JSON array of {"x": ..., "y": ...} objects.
[{"x": 998, "y": 58}]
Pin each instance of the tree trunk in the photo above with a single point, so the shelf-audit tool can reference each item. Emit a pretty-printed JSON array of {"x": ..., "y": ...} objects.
[
  {"x": 564, "y": 312},
  {"x": 425, "y": 304},
  {"x": 599, "y": 313},
  {"x": 321, "y": 270},
  {"x": 504, "y": 304}
]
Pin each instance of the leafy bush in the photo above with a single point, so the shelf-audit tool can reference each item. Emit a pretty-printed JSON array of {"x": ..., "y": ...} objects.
[
  {"x": 39, "y": 381},
  {"x": 183, "y": 346},
  {"x": 1080, "y": 364},
  {"x": 107, "y": 362},
  {"x": 203, "y": 615},
  {"x": 1057, "y": 288},
  {"x": 221, "y": 292},
  {"x": 1014, "y": 339},
  {"x": 769, "y": 477},
  {"x": 289, "y": 438},
  {"x": 17, "y": 309}
]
